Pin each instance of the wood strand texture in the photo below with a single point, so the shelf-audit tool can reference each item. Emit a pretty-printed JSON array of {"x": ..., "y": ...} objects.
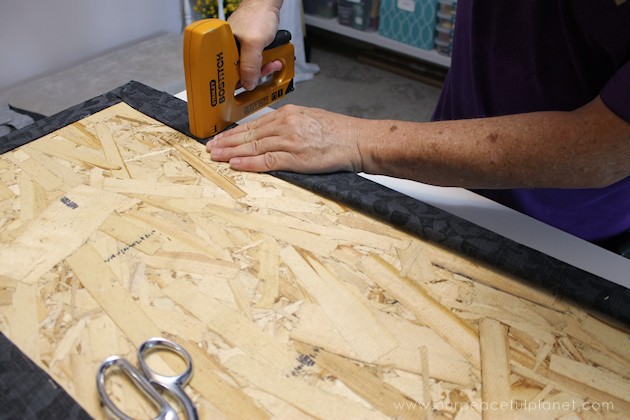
[{"x": 117, "y": 228}]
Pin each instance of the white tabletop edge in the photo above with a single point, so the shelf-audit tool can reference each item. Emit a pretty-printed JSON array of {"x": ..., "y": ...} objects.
[{"x": 516, "y": 226}]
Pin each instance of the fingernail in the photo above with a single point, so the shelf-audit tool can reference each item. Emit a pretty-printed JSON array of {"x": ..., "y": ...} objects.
[
  {"x": 212, "y": 143},
  {"x": 235, "y": 162},
  {"x": 216, "y": 153}
]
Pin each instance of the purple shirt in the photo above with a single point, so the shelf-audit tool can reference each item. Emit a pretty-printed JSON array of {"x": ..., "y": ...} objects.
[{"x": 522, "y": 56}]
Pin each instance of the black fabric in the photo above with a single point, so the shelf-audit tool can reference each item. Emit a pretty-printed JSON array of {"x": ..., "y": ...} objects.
[
  {"x": 27, "y": 392},
  {"x": 34, "y": 115},
  {"x": 620, "y": 244},
  {"x": 416, "y": 217},
  {"x": 466, "y": 238},
  {"x": 161, "y": 106}
]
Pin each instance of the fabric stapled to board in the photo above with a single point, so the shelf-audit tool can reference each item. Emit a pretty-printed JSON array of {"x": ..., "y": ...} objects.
[
  {"x": 421, "y": 219},
  {"x": 418, "y": 218}
]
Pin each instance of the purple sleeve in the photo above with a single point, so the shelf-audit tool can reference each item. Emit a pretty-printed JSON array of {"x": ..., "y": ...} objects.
[{"x": 616, "y": 93}]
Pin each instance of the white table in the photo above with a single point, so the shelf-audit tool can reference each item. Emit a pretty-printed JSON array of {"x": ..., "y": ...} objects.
[{"x": 508, "y": 223}]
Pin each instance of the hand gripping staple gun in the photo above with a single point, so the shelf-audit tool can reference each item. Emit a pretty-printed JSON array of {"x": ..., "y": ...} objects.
[{"x": 211, "y": 66}]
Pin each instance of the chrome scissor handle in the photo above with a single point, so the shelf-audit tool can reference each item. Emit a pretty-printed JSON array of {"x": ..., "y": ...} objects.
[
  {"x": 157, "y": 343},
  {"x": 174, "y": 384},
  {"x": 147, "y": 379},
  {"x": 166, "y": 412}
]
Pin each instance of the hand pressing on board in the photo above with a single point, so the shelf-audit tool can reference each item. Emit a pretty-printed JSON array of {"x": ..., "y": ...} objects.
[{"x": 294, "y": 138}]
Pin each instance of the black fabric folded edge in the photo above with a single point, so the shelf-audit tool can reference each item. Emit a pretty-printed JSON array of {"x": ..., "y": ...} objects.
[{"x": 427, "y": 222}]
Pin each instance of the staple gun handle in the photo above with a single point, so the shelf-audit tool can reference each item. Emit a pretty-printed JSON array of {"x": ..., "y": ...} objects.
[{"x": 282, "y": 37}]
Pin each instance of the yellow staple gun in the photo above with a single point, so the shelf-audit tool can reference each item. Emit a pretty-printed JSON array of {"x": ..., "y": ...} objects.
[{"x": 211, "y": 66}]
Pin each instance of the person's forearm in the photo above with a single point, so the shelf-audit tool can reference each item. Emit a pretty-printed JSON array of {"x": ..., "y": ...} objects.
[
  {"x": 585, "y": 148},
  {"x": 248, "y": 15},
  {"x": 581, "y": 149}
]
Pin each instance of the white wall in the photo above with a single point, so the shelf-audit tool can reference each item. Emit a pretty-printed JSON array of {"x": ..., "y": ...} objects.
[{"x": 38, "y": 37}]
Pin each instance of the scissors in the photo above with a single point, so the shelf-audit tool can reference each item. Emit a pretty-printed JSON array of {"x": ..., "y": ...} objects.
[{"x": 148, "y": 380}]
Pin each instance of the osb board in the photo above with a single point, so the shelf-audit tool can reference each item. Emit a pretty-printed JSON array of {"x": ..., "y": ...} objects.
[{"x": 116, "y": 229}]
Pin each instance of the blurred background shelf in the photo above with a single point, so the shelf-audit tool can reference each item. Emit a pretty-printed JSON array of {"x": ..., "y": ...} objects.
[{"x": 373, "y": 37}]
